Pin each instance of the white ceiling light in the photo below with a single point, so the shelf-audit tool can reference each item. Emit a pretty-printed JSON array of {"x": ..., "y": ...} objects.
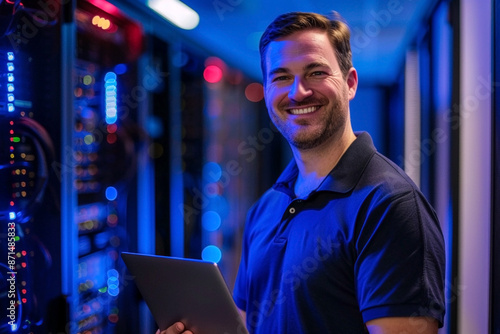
[{"x": 176, "y": 12}]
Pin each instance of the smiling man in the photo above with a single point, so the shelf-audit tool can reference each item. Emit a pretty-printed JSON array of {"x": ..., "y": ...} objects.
[{"x": 344, "y": 242}]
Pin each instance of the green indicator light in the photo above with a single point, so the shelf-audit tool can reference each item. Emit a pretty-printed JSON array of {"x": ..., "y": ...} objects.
[
  {"x": 87, "y": 80},
  {"x": 88, "y": 139}
]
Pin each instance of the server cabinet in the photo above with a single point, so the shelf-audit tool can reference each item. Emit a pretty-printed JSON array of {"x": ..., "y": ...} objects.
[{"x": 70, "y": 142}]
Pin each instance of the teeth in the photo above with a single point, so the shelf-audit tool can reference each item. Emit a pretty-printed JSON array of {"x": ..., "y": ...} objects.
[{"x": 303, "y": 110}]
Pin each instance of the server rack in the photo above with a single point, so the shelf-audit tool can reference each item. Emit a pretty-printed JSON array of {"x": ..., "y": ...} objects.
[{"x": 71, "y": 143}]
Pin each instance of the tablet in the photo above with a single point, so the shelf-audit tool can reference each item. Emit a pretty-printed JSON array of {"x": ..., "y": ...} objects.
[{"x": 187, "y": 290}]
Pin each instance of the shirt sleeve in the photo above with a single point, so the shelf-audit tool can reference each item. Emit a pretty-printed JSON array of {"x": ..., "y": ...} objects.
[{"x": 400, "y": 259}]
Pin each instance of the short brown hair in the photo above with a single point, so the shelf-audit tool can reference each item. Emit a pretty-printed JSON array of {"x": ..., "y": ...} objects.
[{"x": 289, "y": 23}]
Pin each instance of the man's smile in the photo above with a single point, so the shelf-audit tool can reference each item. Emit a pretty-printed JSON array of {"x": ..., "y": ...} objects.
[{"x": 301, "y": 111}]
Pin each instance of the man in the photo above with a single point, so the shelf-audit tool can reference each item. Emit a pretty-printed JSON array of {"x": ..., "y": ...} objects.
[{"x": 344, "y": 242}]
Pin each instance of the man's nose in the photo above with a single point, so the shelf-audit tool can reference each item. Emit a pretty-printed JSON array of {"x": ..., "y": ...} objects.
[{"x": 299, "y": 90}]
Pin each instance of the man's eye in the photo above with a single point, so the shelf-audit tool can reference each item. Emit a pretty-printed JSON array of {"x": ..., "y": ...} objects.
[
  {"x": 280, "y": 78},
  {"x": 318, "y": 73}
]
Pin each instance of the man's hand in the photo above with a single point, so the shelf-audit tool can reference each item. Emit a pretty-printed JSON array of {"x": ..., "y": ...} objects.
[
  {"x": 176, "y": 328},
  {"x": 410, "y": 325}
]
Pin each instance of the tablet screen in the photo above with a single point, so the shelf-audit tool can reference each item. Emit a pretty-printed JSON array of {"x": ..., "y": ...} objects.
[{"x": 187, "y": 290}]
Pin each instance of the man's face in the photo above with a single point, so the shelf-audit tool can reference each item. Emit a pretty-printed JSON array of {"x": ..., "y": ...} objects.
[{"x": 306, "y": 95}]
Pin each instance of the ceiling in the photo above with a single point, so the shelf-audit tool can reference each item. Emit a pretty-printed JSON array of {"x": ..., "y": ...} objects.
[{"x": 381, "y": 30}]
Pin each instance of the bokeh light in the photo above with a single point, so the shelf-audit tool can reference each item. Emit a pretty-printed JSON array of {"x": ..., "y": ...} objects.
[
  {"x": 254, "y": 92},
  {"x": 212, "y": 74}
]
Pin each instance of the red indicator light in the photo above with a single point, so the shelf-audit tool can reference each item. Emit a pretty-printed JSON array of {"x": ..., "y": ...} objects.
[
  {"x": 113, "y": 318},
  {"x": 111, "y": 138},
  {"x": 212, "y": 74},
  {"x": 112, "y": 220},
  {"x": 112, "y": 128}
]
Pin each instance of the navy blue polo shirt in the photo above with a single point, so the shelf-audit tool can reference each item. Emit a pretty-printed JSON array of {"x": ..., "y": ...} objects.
[{"x": 364, "y": 245}]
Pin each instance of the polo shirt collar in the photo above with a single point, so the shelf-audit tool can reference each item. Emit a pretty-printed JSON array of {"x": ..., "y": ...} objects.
[{"x": 343, "y": 177}]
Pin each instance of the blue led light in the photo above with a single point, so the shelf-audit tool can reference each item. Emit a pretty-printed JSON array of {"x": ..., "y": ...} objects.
[
  {"x": 113, "y": 282},
  {"x": 120, "y": 69},
  {"x": 211, "y": 221},
  {"x": 102, "y": 239},
  {"x": 211, "y": 253},
  {"x": 110, "y": 112},
  {"x": 212, "y": 172},
  {"x": 111, "y": 193},
  {"x": 110, "y": 76},
  {"x": 110, "y": 88},
  {"x": 113, "y": 290},
  {"x": 110, "y": 98},
  {"x": 87, "y": 113},
  {"x": 111, "y": 120},
  {"x": 10, "y": 84},
  {"x": 12, "y": 215},
  {"x": 113, "y": 273}
]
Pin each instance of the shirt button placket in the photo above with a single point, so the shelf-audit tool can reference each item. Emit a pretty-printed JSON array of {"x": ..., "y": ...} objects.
[{"x": 293, "y": 209}]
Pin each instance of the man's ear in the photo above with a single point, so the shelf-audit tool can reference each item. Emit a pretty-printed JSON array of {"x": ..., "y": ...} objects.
[{"x": 352, "y": 82}]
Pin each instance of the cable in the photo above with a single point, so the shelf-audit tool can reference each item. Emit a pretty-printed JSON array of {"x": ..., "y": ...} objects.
[{"x": 14, "y": 10}]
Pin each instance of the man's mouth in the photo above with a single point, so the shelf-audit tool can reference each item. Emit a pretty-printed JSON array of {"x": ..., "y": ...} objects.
[{"x": 302, "y": 111}]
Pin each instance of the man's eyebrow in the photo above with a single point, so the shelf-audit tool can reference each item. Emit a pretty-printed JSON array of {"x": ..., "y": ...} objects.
[
  {"x": 308, "y": 67},
  {"x": 278, "y": 70},
  {"x": 314, "y": 65}
]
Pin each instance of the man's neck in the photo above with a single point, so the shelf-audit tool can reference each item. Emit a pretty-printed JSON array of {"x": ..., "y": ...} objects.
[{"x": 315, "y": 164}]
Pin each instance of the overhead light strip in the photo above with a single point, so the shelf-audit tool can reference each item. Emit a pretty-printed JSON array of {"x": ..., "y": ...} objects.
[{"x": 176, "y": 12}]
